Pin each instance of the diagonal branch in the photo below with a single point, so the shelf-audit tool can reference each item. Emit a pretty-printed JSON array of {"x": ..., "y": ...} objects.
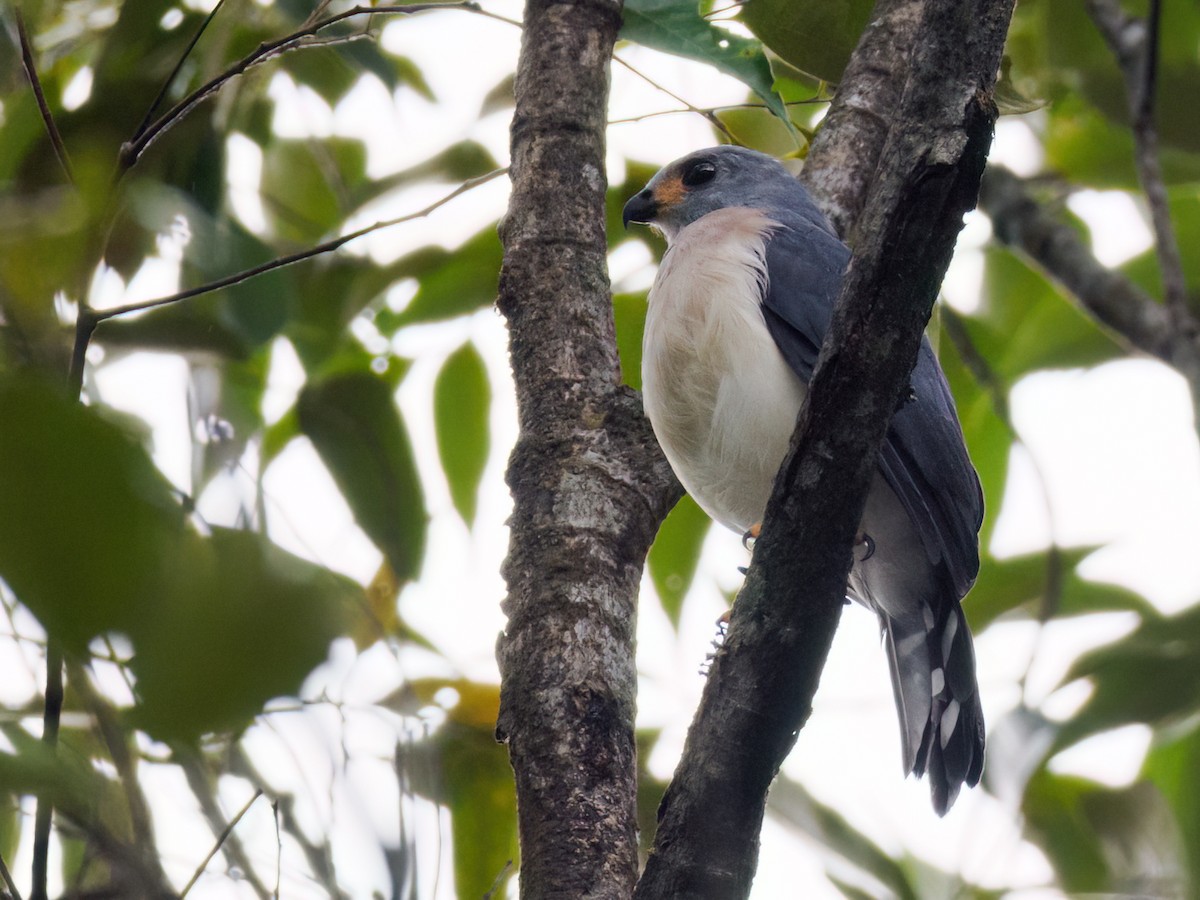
[
  {"x": 760, "y": 690},
  {"x": 845, "y": 153},
  {"x": 100, "y": 315},
  {"x": 132, "y": 150},
  {"x": 170, "y": 79},
  {"x": 60, "y": 149},
  {"x": 1019, "y": 221}
]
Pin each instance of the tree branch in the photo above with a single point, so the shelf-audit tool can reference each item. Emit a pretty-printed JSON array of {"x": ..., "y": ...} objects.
[
  {"x": 132, "y": 150},
  {"x": 60, "y": 149},
  {"x": 1134, "y": 42},
  {"x": 589, "y": 483},
  {"x": 841, "y": 163},
  {"x": 1019, "y": 221},
  {"x": 760, "y": 690}
]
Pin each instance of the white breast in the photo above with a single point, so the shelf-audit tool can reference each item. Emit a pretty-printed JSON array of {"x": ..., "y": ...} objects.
[{"x": 721, "y": 398}]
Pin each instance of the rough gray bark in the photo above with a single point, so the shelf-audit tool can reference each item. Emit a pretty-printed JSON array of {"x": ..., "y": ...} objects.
[
  {"x": 841, "y": 163},
  {"x": 760, "y": 689},
  {"x": 589, "y": 484}
]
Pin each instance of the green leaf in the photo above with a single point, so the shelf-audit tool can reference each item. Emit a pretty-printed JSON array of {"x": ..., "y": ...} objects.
[
  {"x": 245, "y": 622},
  {"x": 352, "y": 420},
  {"x": 461, "y": 402},
  {"x": 453, "y": 282},
  {"x": 676, "y": 552},
  {"x": 1103, "y": 840},
  {"x": 1174, "y": 767},
  {"x": 1144, "y": 269},
  {"x": 88, "y": 521},
  {"x": 301, "y": 202},
  {"x": 1151, "y": 676},
  {"x": 1056, "y": 821},
  {"x": 629, "y": 312},
  {"x": 1027, "y": 323},
  {"x": 462, "y": 767},
  {"x": 982, "y": 411},
  {"x": 676, "y": 26},
  {"x": 1044, "y": 585},
  {"x": 458, "y": 162},
  {"x": 815, "y": 36}
]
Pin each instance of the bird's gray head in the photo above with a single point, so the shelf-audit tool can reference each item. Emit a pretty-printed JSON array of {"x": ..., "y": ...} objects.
[{"x": 713, "y": 179}]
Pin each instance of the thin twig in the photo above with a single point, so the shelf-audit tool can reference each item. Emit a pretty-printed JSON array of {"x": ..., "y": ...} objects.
[
  {"x": 220, "y": 840},
  {"x": 8, "y": 880},
  {"x": 708, "y": 114},
  {"x": 132, "y": 150},
  {"x": 60, "y": 149},
  {"x": 45, "y": 806},
  {"x": 101, "y": 315},
  {"x": 196, "y": 772},
  {"x": 496, "y": 881},
  {"x": 115, "y": 739},
  {"x": 1134, "y": 42},
  {"x": 711, "y": 109},
  {"x": 187, "y": 51}
]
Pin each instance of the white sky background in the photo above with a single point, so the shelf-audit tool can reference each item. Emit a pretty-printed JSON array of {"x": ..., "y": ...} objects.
[{"x": 1115, "y": 447}]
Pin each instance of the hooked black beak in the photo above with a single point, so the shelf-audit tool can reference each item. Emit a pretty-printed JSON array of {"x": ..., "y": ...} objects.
[{"x": 642, "y": 207}]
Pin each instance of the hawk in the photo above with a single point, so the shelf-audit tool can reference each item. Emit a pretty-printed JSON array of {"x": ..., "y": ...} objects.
[{"x": 738, "y": 310}]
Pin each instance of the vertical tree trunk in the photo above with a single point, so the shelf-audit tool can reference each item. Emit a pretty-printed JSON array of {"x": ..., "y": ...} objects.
[{"x": 589, "y": 485}]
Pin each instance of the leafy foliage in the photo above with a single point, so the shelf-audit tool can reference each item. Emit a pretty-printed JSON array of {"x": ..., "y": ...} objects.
[{"x": 184, "y": 621}]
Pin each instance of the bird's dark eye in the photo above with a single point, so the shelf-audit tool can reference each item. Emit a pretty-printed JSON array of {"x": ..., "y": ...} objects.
[{"x": 699, "y": 173}]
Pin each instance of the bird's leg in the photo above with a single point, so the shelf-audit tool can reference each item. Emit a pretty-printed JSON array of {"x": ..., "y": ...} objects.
[
  {"x": 751, "y": 535},
  {"x": 864, "y": 547}
]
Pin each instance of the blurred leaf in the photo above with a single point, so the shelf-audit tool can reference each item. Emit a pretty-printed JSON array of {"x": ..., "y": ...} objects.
[
  {"x": 1144, "y": 270},
  {"x": 815, "y": 36},
  {"x": 474, "y": 783},
  {"x": 352, "y": 420},
  {"x": 1044, "y": 585},
  {"x": 1151, "y": 676},
  {"x": 982, "y": 403},
  {"x": 1174, "y": 767},
  {"x": 629, "y": 312},
  {"x": 245, "y": 622},
  {"x": 453, "y": 282},
  {"x": 277, "y": 436},
  {"x": 89, "y": 523},
  {"x": 461, "y": 403},
  {"x": 462, "y": 767},
  {"x": 1027, "y": 323},
  {"x": 379, "y": 615},
  {"x": 1018, "y": 745},
  {"x": 333, "y": 291},
  {"x": 477, "y": 704},
  {"x": 298, "y": 190},
  {"x": 458, "y": 162},
  {"x": 675, "y": 553},
  {"x": 499, "y": 98},
  {"x": 1103, "y": 840},
  {"x": 676, "y": 26},
  {"x": 1059, "y": 825},
  {"x": 793, "y": 804}
]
